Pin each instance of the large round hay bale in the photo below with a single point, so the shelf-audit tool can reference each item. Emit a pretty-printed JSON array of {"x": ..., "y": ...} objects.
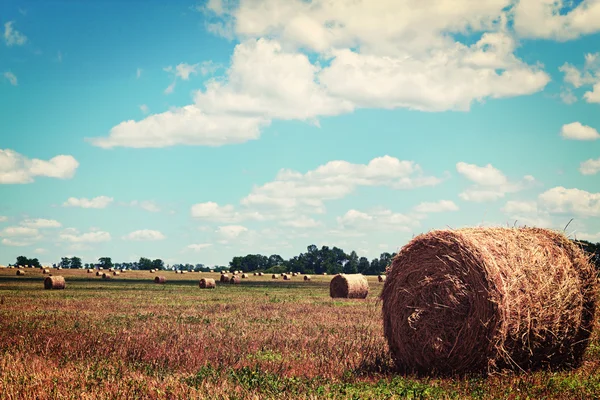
[
  {"x": 151, "y": 271},
  {"x": 482, "y": 299},
  {"x": 160, "y": 279},
  {"x": 381, "y": 278},
  {"x": 350, "y": 286},
  {"x": 54, "y": 282},
  {"x": 256, "y": 274},
  {"x": 224, "y": 278},
  {"x": 307, "y": 277},
  {"x": 235, "y": 279},
  {"x": 20, "y": 272},
  {"x": 207, "y": 283},
  {"x": 98, "y": 273}
]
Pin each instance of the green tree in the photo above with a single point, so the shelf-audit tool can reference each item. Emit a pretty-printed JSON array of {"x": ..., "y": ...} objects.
[
  {"x": 65, "y": 263},
  {"x": 159, "y": 264},
  {"x": 363, "y": 265},
  {"x": 105, "y": 262},
  {"x": 144, "y": 264},
  {"x": 76, "y": 262},
  {"x": 22, "y": 260},
  {"x": 351, "y": 267}
]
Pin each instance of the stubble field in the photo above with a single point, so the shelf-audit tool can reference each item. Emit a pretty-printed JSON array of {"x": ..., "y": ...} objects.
[{"x": 130, "y": 338}]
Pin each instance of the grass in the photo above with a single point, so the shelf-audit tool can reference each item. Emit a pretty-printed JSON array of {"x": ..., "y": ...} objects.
[{"x": 130, "y": 338}]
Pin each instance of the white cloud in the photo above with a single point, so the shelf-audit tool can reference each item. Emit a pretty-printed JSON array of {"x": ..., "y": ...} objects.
[
  {"x": 145, "y": 205},
  {"x": 544, "y": 19},
  {"x": 516, "y": 207},
  {"x": 594, "y": 95},
  {"x": 301, "y": 222},
  {"x": 145, "y": 235},
  {"x": 17, "y": 169},
  {"x": 12, "y": 79},
  {"x": 171, "y": 88},
  {"x": 74, "y": 236},
  {"x": 561, "y": 200},
  {"x": 590, "y": 167},
  {"x": 40, "y": 251},
  {"x": 490, "y": 183},
  {"x": 3, "y": 218},
  {"x": 183, "y": 70},
  {"x": 138, "y": 73},
  {"x": 527, "y": 213},
  {"x": 96, "y": 202},
  {"x": 590, "y": 237},
  {"x": 434, "y": 207},
  {"x": 589, "y": 75},
  {"x": 214, "y": 212},
  {"x": 376, "y": 220},
  {"x": 199, "y": 246},
  {"x": 19, "y": 231},
  {"x": 12, "y": 36},
  {"x": 568, "y": 97},
  {"x": 577, "y": 131},
  {"x": 16, "y": 243},
  {"x": 144, "y": 109},
  {"x": 41, "y": 223},
  {"x": 229, "y": 232}
]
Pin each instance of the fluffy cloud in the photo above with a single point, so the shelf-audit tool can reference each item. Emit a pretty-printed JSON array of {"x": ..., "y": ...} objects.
[
  {"x": 144, "y": 235},
  {"x": 589, "y": 75},
  {"x": 547, "y": 19},
  {"x": 17, "y": 169},
  {"x": 376, "y": 220},
  {"x": 41, "y": 223},
  {"x": 302, "y": 222},
  {"x": 561, "y": 200},
  {"x": 22, "y": 231},
  {"x": 577, "y": 131},
  {"x": 199, "y": 246},
  {"x": 527, "y": 213},
  {"x": 96, "y": 202},
  {"x": 214, "y": 212},
  {"x": 12, "y": 79},
  {"x": 590, "y": 167},
  {"x": 434, "y": 207},
  {"x": 145, "y": 205},
  {"x": 15, "y": 243},
  {"x": 12, "y": 37},
  {"x": 490, "y": 183},
  {"x": 229, "y": 232},
  {"x": 72, "y": 235}
]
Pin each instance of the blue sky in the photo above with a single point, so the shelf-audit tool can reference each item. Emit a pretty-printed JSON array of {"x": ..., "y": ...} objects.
[{"x": 194, "y": 132}]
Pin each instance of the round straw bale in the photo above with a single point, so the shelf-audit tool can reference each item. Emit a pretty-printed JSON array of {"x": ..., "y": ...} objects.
[
  {"x": 235, "y": 279},
  {"x": 286, "y": 277},
  {"x": 110, "y": 270},
  {"x": 307, "y": 277},
  {"x": 45, "y": 271},
  {"x": 324, "y": 273},
  {"x": 351, "y": 286},
  {"x": 275, "y": 276},
  {"x": 261, "y": 273},
  {"x": 184, "y": 272},
  {"x": 256, "y": 274},
  {"x": 222, "y": 272},
  {"x": 115, "y": 273},
  {"x": 160, "y": 279},
  {"x": 244, "y": 275},
  {"x": 89, "y": 271},
  {"x": 381, "y": 278},
  {"x": 98, "y": 273},
  {"x": 207, "y": 283},
  {"x": 20, "y": 272},
  {"x": 151, "y": 271},
  {"x": 224, "y": 278},
  {"x": 483, "y": 299},
  {"x": 105, "y": 275},
  {"x": 54, "y": 282}
]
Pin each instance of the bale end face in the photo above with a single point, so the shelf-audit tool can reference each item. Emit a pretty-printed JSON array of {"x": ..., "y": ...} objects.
[
  {"x": 54, "y": 283},
  {"x": 350, "y": 286}
]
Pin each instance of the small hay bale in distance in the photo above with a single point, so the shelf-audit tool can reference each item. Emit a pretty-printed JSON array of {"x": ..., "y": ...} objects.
[
  {"x": 275, "y": 276},
  {"x": 207, "y": 283},
  {"x": 286, "y": 277},
  {"x": 256, "y": 274},
  {"x": 244, "y": 275},
  {"x": 20, "y": 272},
  {"x": 105, "y": 275},
  {"x": 485, "y": 299},
  {"x": 307, "y": 277},
  {"x": 160, "y": 279},
  {"x": 89, "y": 271},
  {"x": 381, "y": 278},
  {"x": 349, "y": 286},
  {"x": 98, "y": 273},
  {"x": 235, "y": 280},
  {"x": 261, "y": 273},
  {"x": 324, "y": 273},
  {"x": 54, "y": 283},
  {"x": 45, "y": 271},
  {"x": 224, "y": 278},
  {"x": 115, "y": 273},
  {"x": 151, "y": 271}
]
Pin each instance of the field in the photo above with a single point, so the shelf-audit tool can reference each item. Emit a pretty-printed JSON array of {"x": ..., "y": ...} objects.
[{"x": 130, "y": 338}]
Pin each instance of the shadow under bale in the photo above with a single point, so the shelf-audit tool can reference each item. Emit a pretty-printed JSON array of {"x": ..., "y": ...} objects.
[{"x": 476, "y": 300}]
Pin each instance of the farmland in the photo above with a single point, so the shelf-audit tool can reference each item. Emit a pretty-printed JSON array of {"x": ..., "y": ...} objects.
[{"x": 127, "y": 337}]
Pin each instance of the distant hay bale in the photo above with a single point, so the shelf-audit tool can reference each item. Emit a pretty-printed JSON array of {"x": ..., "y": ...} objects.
[
  {"x": 98, "y": 273},
  {"x": 224, "y": 278},
  {"x": 110, "y": 270},
  {"x": 275, "y": 276},
  {"x": 151, "y": 271},
  {"x": 256, "y": 274},
  {"x": 294, "y": 274},
  {"x": 286, "y": 277},
  {"x": 324, "y": 273},
  {"x": 59, "y": 268},
  {"x": 184, "y": 272},
  {"x": 105, "y": 275},
  {"x": 115, "y": 273},
  {"x": 89, "y": 271},
  {"x": 381, "y": 278},
  {"x": 20, "y": 272},
  {"x": 45, "y": 271},
  {"x": 222, "y": 272},
  {"x": 484, "y": 299},
  {"x": 261, "y": 273},
  {"x": 350, "y": 286},
  {"x": 307, "y": 277},
  {"x": 244, "y": 275},
  {"x": 207, "y": 283},
  {"x": 235, "y": 279},
  {"x": 54, "y": 283},
  {"x": 160, "y": 279}
]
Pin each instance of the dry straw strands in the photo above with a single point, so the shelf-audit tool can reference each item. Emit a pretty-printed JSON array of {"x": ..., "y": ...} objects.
[
  {"x": 224, "y": 278},
  {"x": 307, "y": 277},
  {"x": 207, "y": 283},
  {"x": 351, "y": 286},
  {"x": 381, "y": 278},
  {"x": 54, "y": 282},
  {"x": 160, "y": 279},
  {"x": 482, "y": 299},
  {"x": 235, "y": 279}
]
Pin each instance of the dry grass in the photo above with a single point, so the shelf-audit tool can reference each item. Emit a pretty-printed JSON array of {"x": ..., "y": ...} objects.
[{"x": 482, "y": 299}]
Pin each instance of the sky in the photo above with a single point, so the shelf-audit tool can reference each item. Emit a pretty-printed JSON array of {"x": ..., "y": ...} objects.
[{"x": 195, "y": 132}]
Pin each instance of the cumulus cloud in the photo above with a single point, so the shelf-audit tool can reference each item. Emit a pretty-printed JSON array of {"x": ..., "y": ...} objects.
[
  {"x": 489, "y": 182},
  {"x": 72, "y": 235},
  {"x": 527, "y": 213},
  {"x": 302, "y": 222},
  {"x": 18, "y": 169},
  {"x": 198, "y": 246},
  {"x": 12, "y": 37},
  {"x": 587, "y": 76},
  {"x": 229, "y": 232},
  {"x": 147, "y": 205},
  {"x": 22, "y": 231},
  {"x": 96, "y": 202},
  {"x": 144, "y": 235},
  {"x": 578, "y": 131},
  {"x": 214, "y": 212},
  {"x": 41, "y": 223},
  {"x": 376, "y": 220},
  {"x": 579, "y": 202},
  {"x": 590, "y": 167},
  {"x": 435, "y": 207},
  {"x": 15, "y": 243},
  {"x": 11, "y": 78}
]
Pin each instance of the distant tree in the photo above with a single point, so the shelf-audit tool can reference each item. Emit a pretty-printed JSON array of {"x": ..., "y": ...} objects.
[
  {"x": 34, "y": 262},
  {"x": 144, "y": 264},
  {"x": 105, "y": 262},
  {"x": 363, "y": 265},
  {"x": 22, "y": 260},
  {"x": 86, "y": 265},
  {"x": 351, "y": 267},
  {"x": 158, "y": 264},
  {"x": 76, "y": 262},
  {"x": 65, "y": 263}
]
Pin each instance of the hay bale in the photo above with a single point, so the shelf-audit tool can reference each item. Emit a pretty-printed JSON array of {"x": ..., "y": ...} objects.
[
  {"x": 115, "y": 273},
  {"x": 275, "y": 276},
  {"x": 286, "y": 277},
  {"x": 324, "y": 273},
  {"x": 256, "y": 274},
  {"x": 307, "y": 277},
  {"x": 45, "y": 271},
  {"x": 110, "y": 270},
  {"x": 98, "y": 273},
  {"x": 483, "y": 299},
  {"x": 207, "y": 283},
  {"x": 224, "y": 278},
  {"x": 54, "y": 283},
  {"x": 235, "y": 279},
  {"x": 184, "y": 272},
  {"x": 151, "y": 271},
  {"x": 261, "y": 273},
  {"x": 244, "y": 275},
  {"x": 350, "y": 286},
  {"x": 89, "y": 271},
  {"x": 59, "y": 268},
  {"x": 160, "y": 279},
  {"x": 105, "y": 275},
  {"x": 381, "y": 278},
  {"x": 20, "y": 272},
  {"x": 222, "y": 272}
]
